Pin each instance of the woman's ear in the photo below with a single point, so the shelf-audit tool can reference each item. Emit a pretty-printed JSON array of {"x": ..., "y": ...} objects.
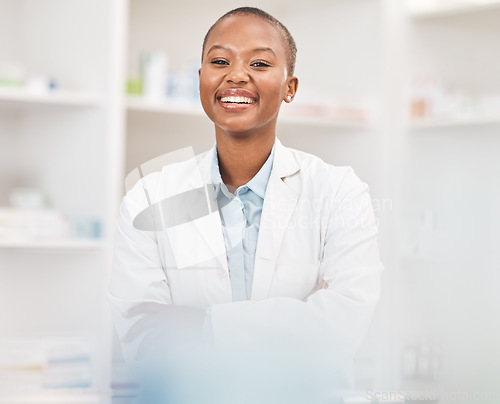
[{"x": 292, "y": 85}]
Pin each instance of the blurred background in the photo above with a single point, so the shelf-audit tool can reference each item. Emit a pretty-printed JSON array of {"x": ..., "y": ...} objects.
[{"x": 405, "y": 91}]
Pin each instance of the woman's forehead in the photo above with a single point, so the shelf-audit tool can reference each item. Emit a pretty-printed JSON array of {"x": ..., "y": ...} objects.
[{"x": 246, "y": 32}]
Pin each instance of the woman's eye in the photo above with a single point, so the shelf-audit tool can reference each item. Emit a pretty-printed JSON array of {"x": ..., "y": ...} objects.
[
  {"x": 219, "y": 62},
  {"x": 260, "y": 64}
]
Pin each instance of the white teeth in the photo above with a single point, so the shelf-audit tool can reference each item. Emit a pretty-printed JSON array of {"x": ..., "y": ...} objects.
[{"x": 239, "y": 100}]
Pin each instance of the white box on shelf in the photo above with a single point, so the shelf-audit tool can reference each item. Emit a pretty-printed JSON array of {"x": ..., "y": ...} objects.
[{"x": 31, "y": 224}]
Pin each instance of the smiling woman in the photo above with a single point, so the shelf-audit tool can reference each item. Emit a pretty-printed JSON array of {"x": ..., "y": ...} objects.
[
  {"x": 280, "y": 271},
  {"x": 246, "y": 74}
]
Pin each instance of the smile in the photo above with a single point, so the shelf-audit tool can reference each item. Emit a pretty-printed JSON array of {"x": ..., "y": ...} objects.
[{"x": 237, "y": 100}]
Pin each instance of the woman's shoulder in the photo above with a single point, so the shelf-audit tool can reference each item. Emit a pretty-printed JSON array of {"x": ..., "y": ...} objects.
[
  {"x": 164, "y": 179},
  {"x": 325, "y": 181},
  {"x": 314, "y": 168}
]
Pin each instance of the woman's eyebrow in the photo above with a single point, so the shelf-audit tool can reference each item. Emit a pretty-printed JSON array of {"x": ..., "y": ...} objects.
[
  {"x": 224, "y": 48},
  {"x": 217, "y": 47},
  {"x": 264, "y": 50}
]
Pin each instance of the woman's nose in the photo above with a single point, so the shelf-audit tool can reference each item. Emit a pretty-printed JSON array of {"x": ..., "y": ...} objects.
[{"x": 237, "y": 74}]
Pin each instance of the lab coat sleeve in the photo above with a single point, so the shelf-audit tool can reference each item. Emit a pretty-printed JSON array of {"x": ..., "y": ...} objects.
[
  {"x": 331, "y": 321},
  {"x": 137, "y": 275}
]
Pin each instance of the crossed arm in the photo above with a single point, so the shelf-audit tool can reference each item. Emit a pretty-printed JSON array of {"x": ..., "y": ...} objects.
[{"x": 335, "y": 314}]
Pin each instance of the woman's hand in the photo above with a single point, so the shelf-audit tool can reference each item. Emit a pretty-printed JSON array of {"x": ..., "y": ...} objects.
[{"x": 322, "y": 284}]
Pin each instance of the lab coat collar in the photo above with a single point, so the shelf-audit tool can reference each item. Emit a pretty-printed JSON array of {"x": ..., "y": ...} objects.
[
  {"x": 257, "y": 184},
  {"x": 279, "y": 204},
  {"x": 284, "y": 164}
]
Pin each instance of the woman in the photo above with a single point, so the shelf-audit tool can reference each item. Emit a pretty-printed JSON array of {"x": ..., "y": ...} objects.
[{"x": 288, "y": 258}]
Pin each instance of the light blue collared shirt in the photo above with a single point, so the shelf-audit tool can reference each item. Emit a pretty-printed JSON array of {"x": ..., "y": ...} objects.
[{"x": 240, "y": 215}]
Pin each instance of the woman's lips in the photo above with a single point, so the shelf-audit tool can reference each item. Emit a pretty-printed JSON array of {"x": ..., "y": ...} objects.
[{"x": 236, "y": 99}]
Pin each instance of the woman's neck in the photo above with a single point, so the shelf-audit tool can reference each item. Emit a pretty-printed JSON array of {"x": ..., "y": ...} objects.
[{"x": 241, "y": 158}]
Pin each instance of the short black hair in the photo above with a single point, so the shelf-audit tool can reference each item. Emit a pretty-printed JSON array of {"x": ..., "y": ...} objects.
[{"x": 291, "y": 48}]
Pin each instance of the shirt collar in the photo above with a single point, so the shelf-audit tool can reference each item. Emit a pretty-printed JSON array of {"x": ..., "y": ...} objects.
[{"x": 257, "y": 184}]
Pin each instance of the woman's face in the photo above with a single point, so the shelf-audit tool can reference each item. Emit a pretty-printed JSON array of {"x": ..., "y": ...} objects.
[{"x": 244, "y": 75}]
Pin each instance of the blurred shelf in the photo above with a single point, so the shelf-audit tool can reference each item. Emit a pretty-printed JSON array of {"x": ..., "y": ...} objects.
[
  {"x": 55, "y": 244},
  {"x": 16, "y": 97},
  {"x": 321, "y": 121},
  {"x": 60, "y": 396},
  {"x": 194, "y": 109},
  {"x": 445, "y": 9},
  {"x": 444, "y": 123},
  {"x": 167, "y": 106}
]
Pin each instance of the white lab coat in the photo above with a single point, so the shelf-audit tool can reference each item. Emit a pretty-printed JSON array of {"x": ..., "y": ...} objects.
[{"x": 317, "y": 221}]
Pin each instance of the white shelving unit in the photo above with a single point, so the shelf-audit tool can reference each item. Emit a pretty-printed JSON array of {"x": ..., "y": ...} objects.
[
  {"x": 454, "y": 123},
  {"x": 426, "y": 9},
  {"x": 166, "y": 107},
  {"x": 62, "y": 98},
  {"x": 67, "y": 142},
  {"x": 453, "y": 163},
  {"x": 52, "y": 397},
  {"x": 311, "y": 121},
  {"x": 61, "y": 245}
]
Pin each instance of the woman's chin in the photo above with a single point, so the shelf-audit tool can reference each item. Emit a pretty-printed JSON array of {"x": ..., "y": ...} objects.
[{"x": 238, "y": 130}]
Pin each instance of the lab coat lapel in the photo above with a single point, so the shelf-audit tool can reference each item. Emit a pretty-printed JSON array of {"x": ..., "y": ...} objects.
[
  {"x": 279, "y": 204},
  {"x": 207, "y": 229}
]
